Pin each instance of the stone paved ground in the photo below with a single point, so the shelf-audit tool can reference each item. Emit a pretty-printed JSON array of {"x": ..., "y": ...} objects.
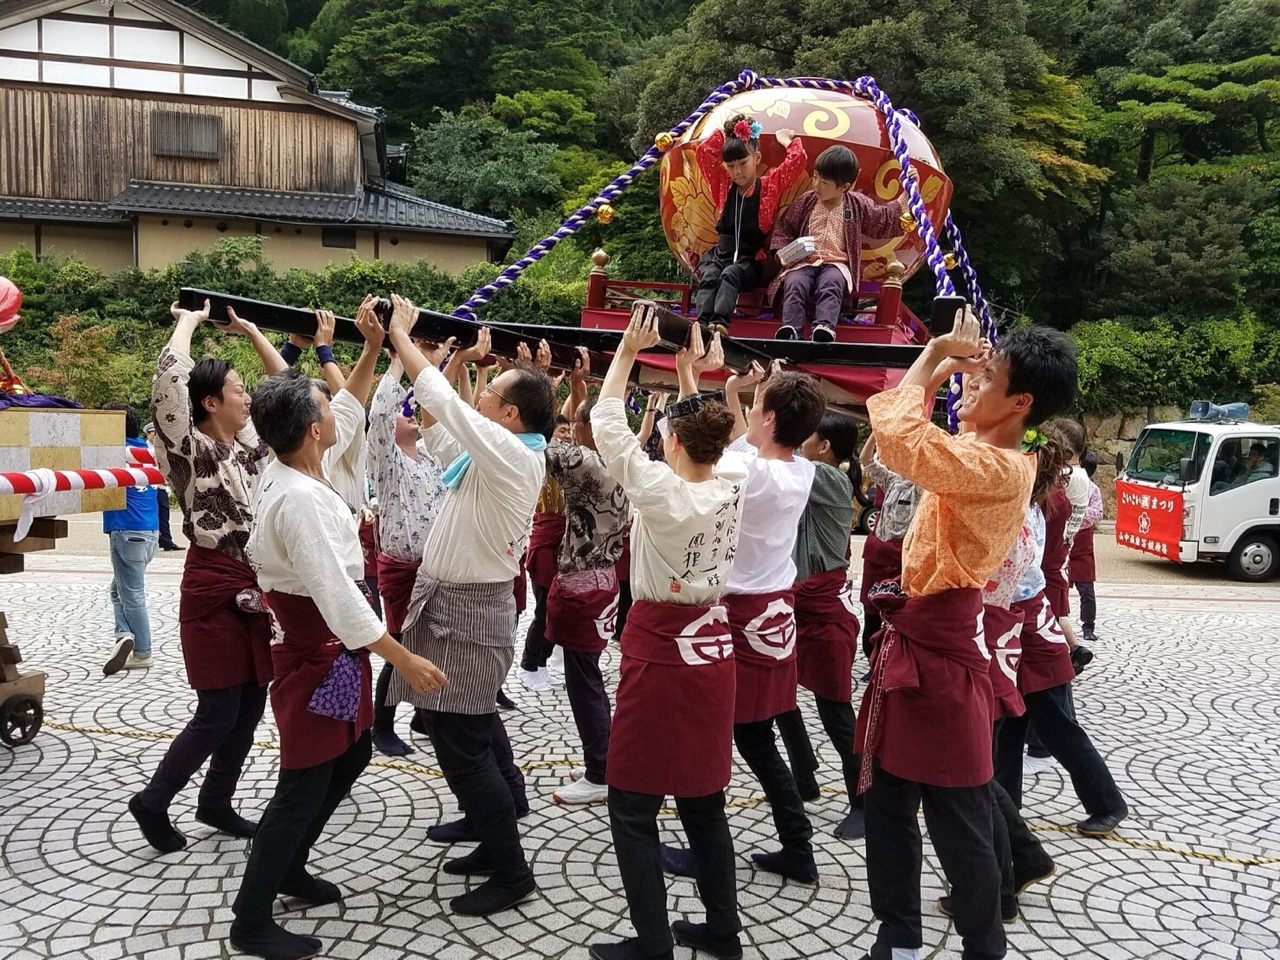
[{"x": 1182, "y": 701}]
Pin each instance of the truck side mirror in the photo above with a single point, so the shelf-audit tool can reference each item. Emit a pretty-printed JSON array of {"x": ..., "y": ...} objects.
[{"x": 1186, "y": 469}]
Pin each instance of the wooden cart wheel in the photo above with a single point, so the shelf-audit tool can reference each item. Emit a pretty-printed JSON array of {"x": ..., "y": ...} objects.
[{"x": 20, "y": 719}]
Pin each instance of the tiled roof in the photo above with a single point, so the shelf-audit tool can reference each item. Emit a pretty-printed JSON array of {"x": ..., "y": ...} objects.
[
  {"x": 21, "y": 208},
  {"x": 343, "y": 98},
  {"x": 382, "y": 205}
]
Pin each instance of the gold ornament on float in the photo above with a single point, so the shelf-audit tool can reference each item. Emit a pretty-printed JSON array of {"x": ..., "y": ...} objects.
[
  {"x": 664, "y": 141},
  {"x": 604, "y": 213},
  {"x": 949, "y": 260},
  {"x": 907, "y": 222}
]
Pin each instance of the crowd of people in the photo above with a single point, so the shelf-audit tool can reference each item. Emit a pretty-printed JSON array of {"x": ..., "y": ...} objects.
[{"x": 713, "y": 548}]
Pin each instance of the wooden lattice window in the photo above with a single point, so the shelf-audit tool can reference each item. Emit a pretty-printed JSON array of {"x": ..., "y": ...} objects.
[{"x": 190, "y": 135}]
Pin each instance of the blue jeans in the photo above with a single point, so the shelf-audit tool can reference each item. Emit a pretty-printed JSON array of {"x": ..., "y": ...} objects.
[{"x": 131, "y": 551}]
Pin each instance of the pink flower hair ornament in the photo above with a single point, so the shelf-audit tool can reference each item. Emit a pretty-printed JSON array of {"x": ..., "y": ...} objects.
[{"x": 746, "y": 130}]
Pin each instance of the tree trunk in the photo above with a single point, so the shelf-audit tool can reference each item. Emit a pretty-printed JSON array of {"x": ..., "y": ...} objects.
[
  {"x": 1260, "y": 124},
  {"x": 1146, "y": 154}
]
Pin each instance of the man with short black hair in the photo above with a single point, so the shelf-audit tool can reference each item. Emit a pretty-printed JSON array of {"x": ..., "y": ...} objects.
[
  {"x": 462, "y": 613},
  {"x": 211, "y": 456},
  {"x": 924, "y": 729},
  {"x": 306, "y": 550}
]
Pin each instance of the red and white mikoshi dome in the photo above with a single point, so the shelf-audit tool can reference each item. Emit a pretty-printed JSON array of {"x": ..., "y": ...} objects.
[
  {"x": 820, "y": 118},
  {"x": 10, "y": 303}
]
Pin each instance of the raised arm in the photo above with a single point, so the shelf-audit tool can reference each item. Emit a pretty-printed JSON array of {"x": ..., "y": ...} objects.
[
  {"x": 732, "y": 388},
  {"x": 323, "y": 344},
  {"x": 185, "y": 328},
  {"x": 361, "y": 380},
  {"x": 272, "y": 362},
  {"x": 708, "y": 156},
  {"x": 577, "y": 384},
  {"x": 655, "y": 403},
  {"x": 646, "y": 482},
  {"x": 493, "y": 447},
  {"x": 693, "y": 360}
]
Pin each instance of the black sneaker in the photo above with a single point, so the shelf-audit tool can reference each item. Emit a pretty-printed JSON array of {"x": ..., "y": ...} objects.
[
  {"x": 1042, "y": 870},
  {"x": 698, "y": 936},
  {"x": 505, "y": 702},
  {"x": 273, "y": 942},
  {"x": 787, "y": 332},
  {"x": 823, "y": 333},
  {"x": 625, "y": 950}
]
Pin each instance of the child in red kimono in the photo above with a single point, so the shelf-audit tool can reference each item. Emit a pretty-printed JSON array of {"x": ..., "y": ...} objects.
[
  {"x": 924, "y": 729},
  {"x": 746, "y": 206}
]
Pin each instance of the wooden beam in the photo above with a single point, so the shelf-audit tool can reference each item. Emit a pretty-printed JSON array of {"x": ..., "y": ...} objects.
[
  {"x": 27, "y": 545},
  {"x": 11, "y": 563}
]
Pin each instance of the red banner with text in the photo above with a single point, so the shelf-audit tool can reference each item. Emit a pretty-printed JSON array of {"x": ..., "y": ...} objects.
[{"x": 1149, "y": 519}]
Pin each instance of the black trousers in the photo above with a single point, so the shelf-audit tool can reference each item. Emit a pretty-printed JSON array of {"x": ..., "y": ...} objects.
[
  {"x": 840, "y": 721},
  {"x": 299, "y": 809},
  {"x": 162, "y": 509},
  {"x": 1088, "y": 606},
  {"x": 537, "y": 648},
  {"x": 1052, "y": 713},
  {"x": 222, "y": 733},
  {"x": 624, "y": 607},
  {"x": 759, "y": 748},
  {"x": 589, "y": 702},
  {"x": 871, "y": 624},
  {"x": 720, "y": 282},
  {"x": 633, "y": 821},
  {"x": 960, "y": 825},
  {"x": 465, "y": 749}
]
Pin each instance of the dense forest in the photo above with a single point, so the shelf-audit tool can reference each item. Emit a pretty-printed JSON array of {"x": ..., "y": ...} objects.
[{"x": 1115, "y": 161}]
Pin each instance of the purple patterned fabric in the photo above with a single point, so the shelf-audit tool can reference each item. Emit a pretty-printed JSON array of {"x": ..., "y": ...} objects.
[
  {"x": 34, "y": 400},
  {"x": 338, "y": 695}
]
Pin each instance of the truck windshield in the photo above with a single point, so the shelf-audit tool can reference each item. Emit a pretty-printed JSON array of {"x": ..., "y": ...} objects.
[{"x": 1160, "y": 451}]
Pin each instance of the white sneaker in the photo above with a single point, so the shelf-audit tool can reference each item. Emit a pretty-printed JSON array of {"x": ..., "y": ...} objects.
[
  {"x": 555, "y": 667},
  {"x": 536, "y": 680},
  {"x": 1034, "y": 765},
  {"x": 124, "y": 648},
  {"x": 576, "y": 774},
  {"x": 581, "y": 791},
  {"x": 138, "y": 661},
  {"x": 555, "y": 678}
]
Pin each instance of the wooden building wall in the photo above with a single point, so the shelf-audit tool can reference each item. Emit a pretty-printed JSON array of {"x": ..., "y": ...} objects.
[{"x": 78, "y": 144}]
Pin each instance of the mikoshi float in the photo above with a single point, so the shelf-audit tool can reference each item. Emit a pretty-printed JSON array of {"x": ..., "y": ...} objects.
[{"x": 878, "y": 335}]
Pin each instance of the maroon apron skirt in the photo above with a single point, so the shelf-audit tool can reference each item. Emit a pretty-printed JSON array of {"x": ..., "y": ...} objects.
[
  {"x": 881, "y": 560},
  {"x": 764, "y": 648},
  {"x": 582, "y": 609},
  {"x": 927, "y": 712},
  {"x": 544, "y": 548},
  {"x": 395, "y": 583},
  {"x": 303, "y": 654},
  {"x": 223, "y": 623},
  {"x": 1046, "y": 657},
  {"x": 826, "y": 635},
  {"x": 1057, "y": 510},
  {"x": 369, "y": 547},
  {"x": 673, "y": 713},
  {"x": 1080, "y": 565},
  {"x": 1002, "y": 630}
]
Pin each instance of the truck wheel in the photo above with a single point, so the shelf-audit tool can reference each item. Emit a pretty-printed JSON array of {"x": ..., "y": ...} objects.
[
  {"x": 1254, "y": 559},
  {"x": 867, "y": 520}
]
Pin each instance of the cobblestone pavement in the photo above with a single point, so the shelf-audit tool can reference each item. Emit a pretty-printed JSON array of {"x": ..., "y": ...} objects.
[{"x": 1182, "y": 701}]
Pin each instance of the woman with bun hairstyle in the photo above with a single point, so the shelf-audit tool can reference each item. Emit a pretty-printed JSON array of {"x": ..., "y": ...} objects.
[{"x": 673, "y": 721}]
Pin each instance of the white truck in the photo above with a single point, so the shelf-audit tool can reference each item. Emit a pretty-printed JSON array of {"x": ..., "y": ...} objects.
[{"x": 1227, "y": 472}]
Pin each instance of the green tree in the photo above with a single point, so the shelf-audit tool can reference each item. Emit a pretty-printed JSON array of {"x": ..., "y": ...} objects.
[{"x": 472, "y": 160}]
